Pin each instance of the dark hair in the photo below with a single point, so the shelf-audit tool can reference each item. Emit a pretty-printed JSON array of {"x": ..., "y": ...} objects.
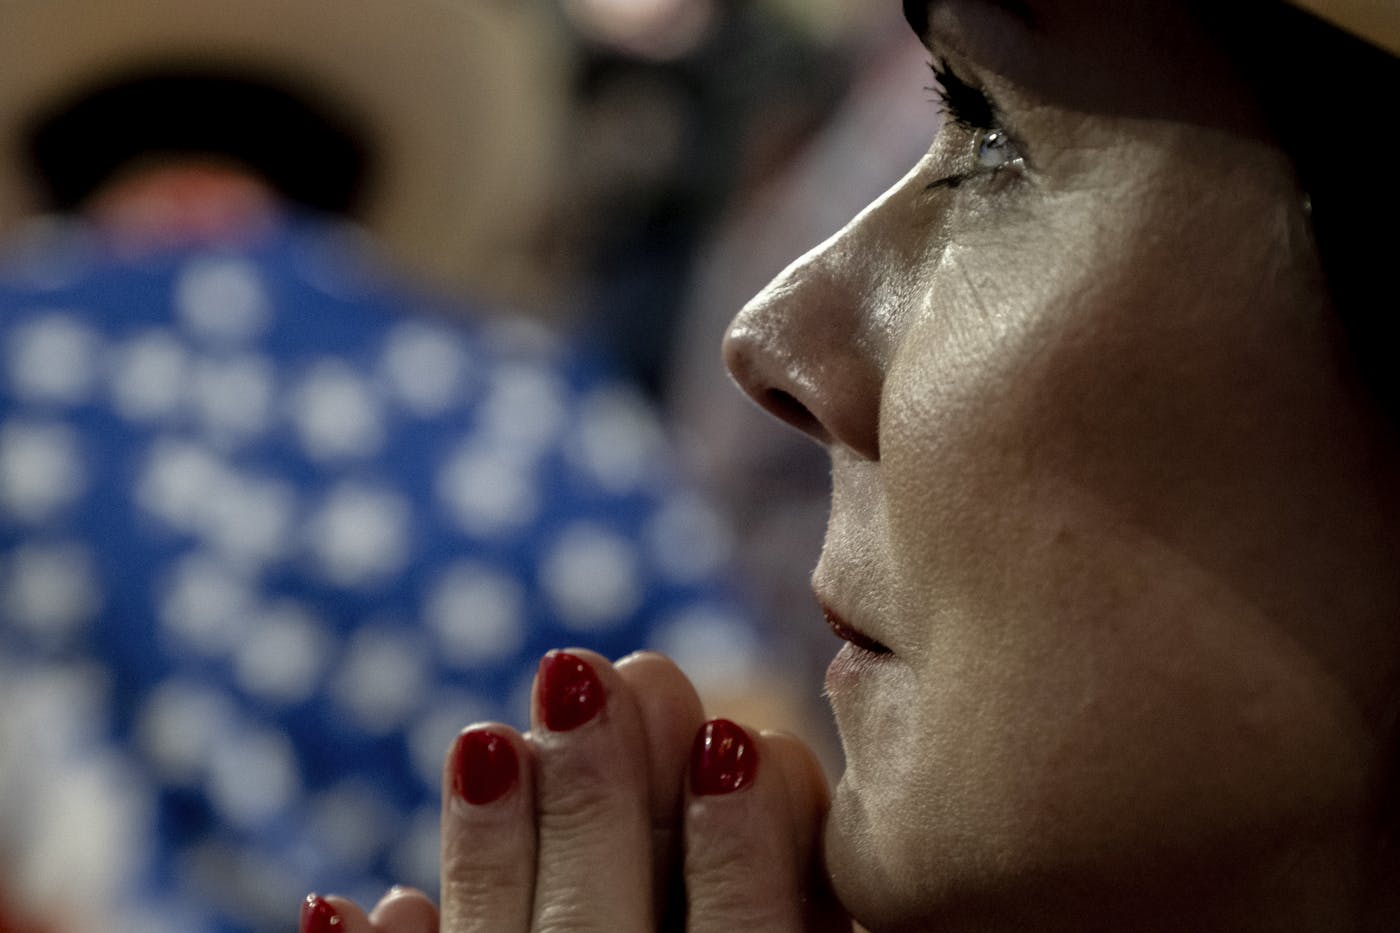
[
  {"x": 1324, "y": 92},
  {"x": 1321, "y": 89},
  {"x": 304, "y": 146}
]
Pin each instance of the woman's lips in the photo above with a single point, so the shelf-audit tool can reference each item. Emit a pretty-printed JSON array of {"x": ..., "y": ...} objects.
[
  {"x": 846, "y": 632},
  {"x": 858, "y": 658}
]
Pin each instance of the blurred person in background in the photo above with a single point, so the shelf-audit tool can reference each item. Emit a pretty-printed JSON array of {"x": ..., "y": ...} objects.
[
  {"x": 678, "y": 105},
  {"x": 276, "y": 519}
]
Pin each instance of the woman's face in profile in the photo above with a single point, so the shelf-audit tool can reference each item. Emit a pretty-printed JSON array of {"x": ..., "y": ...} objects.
[{"x": 1104, "y": 515}]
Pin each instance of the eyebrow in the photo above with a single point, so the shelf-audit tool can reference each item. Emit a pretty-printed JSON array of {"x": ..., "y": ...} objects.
[{"x": 917, "y": 12}]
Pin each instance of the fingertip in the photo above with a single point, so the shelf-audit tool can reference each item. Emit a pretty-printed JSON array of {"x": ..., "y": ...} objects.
[
  {"x": 777, "y": 768},
  {"x": 643, "y": 657},
  {"x": 661, "y": 688},
  {"x": 724, "y": 759},
  {"x": 573, "y": 687},
  {"x": 333, "y": 914},
  {"x": 801, "y": 768},
  {"x": 405, "y": 910},
  {"x": 593, "y": 795},
  {"x": 487, "y": 839},
  {"x": 598, "y": 662},
  {"x": 745, "y": 862},
  {"x": 807, "y": 794},
  {"x": 671, "y": 712},
  {"x": 484, "y": 764}
]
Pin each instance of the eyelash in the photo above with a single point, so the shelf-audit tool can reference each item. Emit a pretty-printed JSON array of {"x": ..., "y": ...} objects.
[
  {"x": 963, "y": 103},
  {"x": 968, "y": 106}
]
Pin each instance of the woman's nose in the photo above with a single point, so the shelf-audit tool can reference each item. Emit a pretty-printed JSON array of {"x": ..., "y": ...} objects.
[{"x": 804, "y": 351}]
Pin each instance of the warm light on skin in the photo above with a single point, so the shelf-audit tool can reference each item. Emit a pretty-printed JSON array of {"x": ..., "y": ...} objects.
[
  {"x": 183, "y": 203},
  {"x": 1103, "y": 485}
]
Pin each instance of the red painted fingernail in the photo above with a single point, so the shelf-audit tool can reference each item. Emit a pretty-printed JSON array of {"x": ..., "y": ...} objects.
[
  {"x": 724, "y": 759},
  {"x": 484, "y": 766},
  {"x": 570, "y": 693},
  {"x": 317, "y": 916}
]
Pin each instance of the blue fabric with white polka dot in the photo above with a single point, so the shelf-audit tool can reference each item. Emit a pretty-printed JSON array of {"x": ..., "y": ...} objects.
[{"x": 273, "y": 527}]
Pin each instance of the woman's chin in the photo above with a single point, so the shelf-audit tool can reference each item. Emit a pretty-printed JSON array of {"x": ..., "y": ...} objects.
[
  {"x": 848, "y": 845},
  {"x": 871, "y": 874}
]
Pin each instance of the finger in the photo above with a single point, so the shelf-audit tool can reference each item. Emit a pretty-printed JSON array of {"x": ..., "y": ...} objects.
[
  {"x": 809, "y": 799},
  {"x": 808, "y": 796},
  {"x": 671, "y": 713},
  {"x": 488, "y": 832},
  {"x": 752, "y": 824},
  {"x": 592, "y": 800},
  {"x": 333, "y": 915},
  {"x": 404, "y": 910}
]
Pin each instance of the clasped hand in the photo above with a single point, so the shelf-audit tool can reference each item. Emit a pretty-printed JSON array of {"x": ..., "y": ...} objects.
[{"x": 621, "y": 810}]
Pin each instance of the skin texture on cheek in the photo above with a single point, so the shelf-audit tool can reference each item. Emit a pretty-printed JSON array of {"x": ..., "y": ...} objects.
[{"x": 1090, "y": 340}]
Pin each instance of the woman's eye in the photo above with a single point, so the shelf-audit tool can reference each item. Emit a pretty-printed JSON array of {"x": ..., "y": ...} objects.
[
  {"x": 995, "y": 150},
  {"x": 968, "y": 110}
]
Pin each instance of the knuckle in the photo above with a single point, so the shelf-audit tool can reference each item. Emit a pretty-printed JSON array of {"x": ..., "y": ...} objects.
[
  {"x": 464, "y": 907},
  {"x": 583, "y": 803},
  {"x": 741, "y": 909},
  {"x": 739, "y": 880},
  {"x": 575, "y": 909},
  {"x": 571, "y": 915},
  {"x": 583, "y": 792},
  {"x": 475, "y": 883}
]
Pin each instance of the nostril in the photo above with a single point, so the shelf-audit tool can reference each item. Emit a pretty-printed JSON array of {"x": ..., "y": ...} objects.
[{"x": 786, "y": 407}]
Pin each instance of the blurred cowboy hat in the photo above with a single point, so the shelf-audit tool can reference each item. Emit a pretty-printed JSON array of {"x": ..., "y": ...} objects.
[
  {"x": 1376, "y": 21},
  {"x": 463, "y": 100}
]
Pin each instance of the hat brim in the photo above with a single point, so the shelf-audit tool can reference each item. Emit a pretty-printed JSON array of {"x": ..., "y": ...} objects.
[
  {"x": 1376, "y": 21},
  {"x": 464, "y": 100}
]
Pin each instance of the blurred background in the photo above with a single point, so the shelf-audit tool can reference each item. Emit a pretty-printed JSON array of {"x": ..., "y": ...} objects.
[{"x": 494, "y": 347}]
